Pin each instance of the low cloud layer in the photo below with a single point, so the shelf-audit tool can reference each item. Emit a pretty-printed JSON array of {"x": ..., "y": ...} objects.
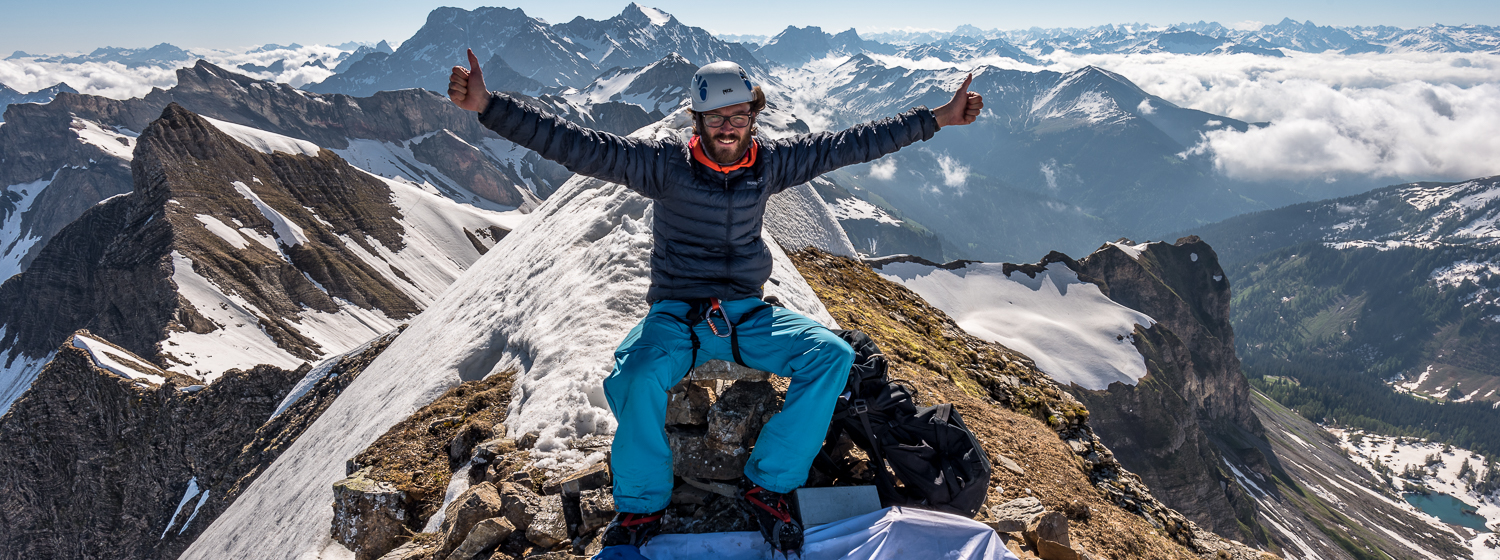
[
  {"x": 1415, "y": 116},
  {"x": 114, "y": 80}
]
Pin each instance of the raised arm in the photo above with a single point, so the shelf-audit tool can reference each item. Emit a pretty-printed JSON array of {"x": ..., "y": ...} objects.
[
  {"x": 635, "y": 163},
  {"x": 810, "y": 155}
]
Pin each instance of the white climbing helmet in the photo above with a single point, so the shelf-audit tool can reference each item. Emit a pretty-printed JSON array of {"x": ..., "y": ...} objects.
[{"x": 721, "y": 84}]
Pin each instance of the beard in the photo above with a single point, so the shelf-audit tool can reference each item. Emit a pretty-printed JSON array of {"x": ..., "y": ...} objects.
[{"x": 727, "y": 153}]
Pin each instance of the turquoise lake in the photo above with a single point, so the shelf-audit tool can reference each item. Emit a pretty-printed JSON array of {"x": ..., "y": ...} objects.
[{"x": 1449, "y": 509}]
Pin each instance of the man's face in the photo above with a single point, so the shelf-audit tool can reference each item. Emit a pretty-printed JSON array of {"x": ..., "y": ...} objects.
[{"x": 725, "y": 143}]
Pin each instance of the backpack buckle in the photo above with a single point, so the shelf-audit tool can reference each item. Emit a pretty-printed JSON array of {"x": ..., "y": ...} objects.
[{"x": 860, "y": 406}]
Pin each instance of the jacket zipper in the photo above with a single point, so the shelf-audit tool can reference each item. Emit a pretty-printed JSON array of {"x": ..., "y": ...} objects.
[{"x": 728, "y": 225}]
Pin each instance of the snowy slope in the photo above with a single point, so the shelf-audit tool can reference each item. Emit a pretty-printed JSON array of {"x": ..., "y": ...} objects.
[
  {"x": 1068, "y": 327},
  {"x": 552, "y": 300}
]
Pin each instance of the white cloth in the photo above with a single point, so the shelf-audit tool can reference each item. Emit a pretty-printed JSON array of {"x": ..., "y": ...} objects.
[{"x": 889, "y": 534}]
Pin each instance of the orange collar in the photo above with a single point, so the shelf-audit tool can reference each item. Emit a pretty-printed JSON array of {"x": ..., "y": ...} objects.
[{"x": 747, "y": 161}]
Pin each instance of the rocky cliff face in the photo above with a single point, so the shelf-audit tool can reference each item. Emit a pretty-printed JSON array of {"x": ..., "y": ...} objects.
[
  {"x": 95, "y": 465},
  {"x": 1192, "y": 412},
  {"x": 155, "y": 460}
]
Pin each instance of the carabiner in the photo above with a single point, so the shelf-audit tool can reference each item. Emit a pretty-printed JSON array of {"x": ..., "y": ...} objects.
[{"x": 713, "y": 305}]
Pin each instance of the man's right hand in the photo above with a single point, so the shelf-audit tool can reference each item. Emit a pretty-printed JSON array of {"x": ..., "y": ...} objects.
[{"x": 466, "y": 87}]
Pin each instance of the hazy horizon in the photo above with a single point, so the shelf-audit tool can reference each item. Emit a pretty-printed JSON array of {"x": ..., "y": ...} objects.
[{"x": 37, "y": 29}]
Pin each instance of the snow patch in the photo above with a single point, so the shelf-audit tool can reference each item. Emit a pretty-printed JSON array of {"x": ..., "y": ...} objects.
[
  {"x": 1068, "y": 327},
  {"x": 17, "y": 375},
  {"x": 287, "y": 231},
  {"x": 265, "y": 142},
  {"x": 192, "y": 490},
  {"x": 113, "y": 143},
  {"x": 856, "y": 209},
  {"x": 14, "y": 245},
  {"x": 108, "y": 356},
  {"x": 219, "y": 228}
]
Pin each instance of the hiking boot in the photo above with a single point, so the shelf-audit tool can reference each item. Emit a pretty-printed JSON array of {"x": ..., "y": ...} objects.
[
  {"x": 773, "y": 513},
  {"x": 632, "y": 529}
]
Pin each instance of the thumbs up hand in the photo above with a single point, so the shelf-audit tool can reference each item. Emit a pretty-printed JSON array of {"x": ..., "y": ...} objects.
[
  {"x": 466, "y": 86},
  {"x": 963, "y": 109}
]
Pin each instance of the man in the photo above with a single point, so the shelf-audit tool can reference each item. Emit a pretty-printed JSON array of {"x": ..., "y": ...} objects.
[{"x": 708, "y": 265}]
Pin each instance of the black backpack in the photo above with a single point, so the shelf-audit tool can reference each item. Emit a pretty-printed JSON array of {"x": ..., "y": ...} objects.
[{"x": 939, "y": 462}]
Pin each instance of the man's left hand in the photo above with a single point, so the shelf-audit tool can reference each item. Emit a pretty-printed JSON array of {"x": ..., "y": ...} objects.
[{"x": 963, "y": 109}]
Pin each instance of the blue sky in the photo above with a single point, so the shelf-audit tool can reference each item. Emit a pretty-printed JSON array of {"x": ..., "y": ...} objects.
[{"x": 44, "y": 27}]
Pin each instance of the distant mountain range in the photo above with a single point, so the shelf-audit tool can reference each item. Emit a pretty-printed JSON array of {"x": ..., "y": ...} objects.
[
  {"x": 1205, "y": 37},
  {"x": 555, "y": 56},
  {"x": 9, "y": 96}
]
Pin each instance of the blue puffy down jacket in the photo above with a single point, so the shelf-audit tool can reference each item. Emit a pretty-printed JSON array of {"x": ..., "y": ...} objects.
[{"x": 707, "y": 224}]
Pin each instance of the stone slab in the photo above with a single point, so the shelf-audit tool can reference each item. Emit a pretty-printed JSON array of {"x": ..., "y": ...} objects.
[{"x": 817, "y": 506}]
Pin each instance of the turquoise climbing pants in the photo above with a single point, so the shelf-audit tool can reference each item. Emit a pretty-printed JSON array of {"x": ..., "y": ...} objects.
[{"x": 655, "y": 356}]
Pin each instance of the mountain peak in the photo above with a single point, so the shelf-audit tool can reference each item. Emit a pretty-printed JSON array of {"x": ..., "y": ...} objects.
[{"x": 643, "y": 15}]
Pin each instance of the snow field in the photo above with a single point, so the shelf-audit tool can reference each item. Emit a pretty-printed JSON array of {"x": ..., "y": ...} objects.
[
  {"x": 551, "y": 301},
  {"x": 1068, "y": 327}
]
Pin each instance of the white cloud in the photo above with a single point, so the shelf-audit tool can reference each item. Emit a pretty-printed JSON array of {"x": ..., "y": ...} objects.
[
  {"x": 884, "y": 169},
  {"x": 1145, "y": 107},
  {"x": 1419, "y": 116},
  {"x": 954, "y": 173},
  {"x": 116, "y": 81},
  {"x": 1049, "y": 172},
  {"x": 1247, "y": 25}
]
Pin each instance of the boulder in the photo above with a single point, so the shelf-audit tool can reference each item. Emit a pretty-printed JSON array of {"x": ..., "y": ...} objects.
[
  {"x": 719, "y": 449},
  {"x": 735, "y": 419},
  {"x": 519, "y": 503},
  {"x": 548, "y": 527},
  {"x": 489, "y": 450},
  {"x": 730, "y": 371},
  {"x": 1049, "y": 526},
  {"x": 481, "y": 501},
  {"x": 1015, "y": 515},
  {"x": 1049, "y": 550},
  {"x": 688, "y": 404},
  {"x": 409, "y": 551},
  {"x": 485, "y": 535},
  {"x": 369, "y": 517},
  {"x": 596, "y": 509},
  {"x": 588, "y": 478}
]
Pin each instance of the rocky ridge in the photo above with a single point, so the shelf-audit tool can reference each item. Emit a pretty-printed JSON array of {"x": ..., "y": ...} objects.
[
  {"x": 65, "y": 156},
  {"x": 291, "y": 256}
]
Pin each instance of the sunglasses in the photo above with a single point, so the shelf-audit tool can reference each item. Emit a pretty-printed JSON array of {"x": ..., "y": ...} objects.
[{"x": 738, "y": 121}]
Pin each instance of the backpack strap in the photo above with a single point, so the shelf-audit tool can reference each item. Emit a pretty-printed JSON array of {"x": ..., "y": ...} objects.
[
  {"x": 883, "y": 474},
  {"x": 694, "y": 316},
  {"x": 734, "y": 336}
]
